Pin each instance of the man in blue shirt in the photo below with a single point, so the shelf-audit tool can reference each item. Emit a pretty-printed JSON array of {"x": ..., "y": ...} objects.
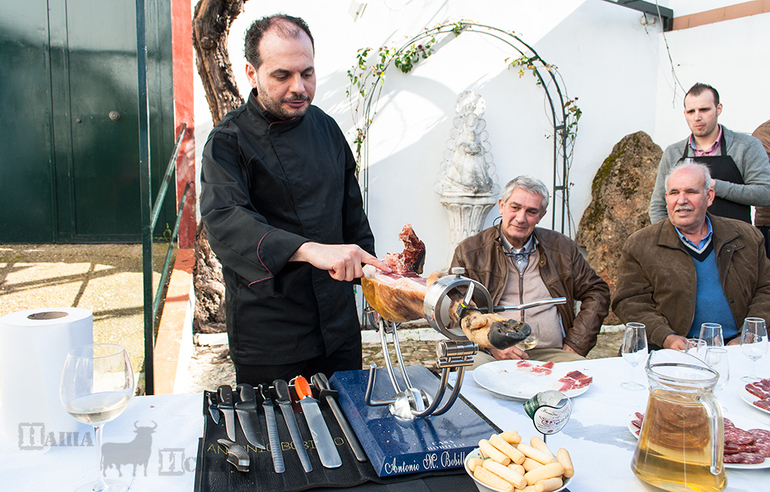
[{"x": 692, "y": 268}]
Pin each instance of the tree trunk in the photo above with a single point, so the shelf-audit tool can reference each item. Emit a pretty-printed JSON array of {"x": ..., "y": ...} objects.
[{"x": 211, "y": 25}]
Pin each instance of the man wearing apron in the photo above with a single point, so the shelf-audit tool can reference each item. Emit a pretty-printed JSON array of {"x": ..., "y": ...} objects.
[{"x": 738, "y": 163}]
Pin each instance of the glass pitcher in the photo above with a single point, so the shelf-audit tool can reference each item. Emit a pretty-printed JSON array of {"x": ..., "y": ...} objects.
[{"x": 681, "y": 443}]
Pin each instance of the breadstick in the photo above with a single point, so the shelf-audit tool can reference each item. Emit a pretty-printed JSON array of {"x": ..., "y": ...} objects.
[
  {"x": 536, "y": 454},
  {"x": 563, "y": 457},
  {"x": 540, "y": 445},
  {"x": 488, "y": 478},
  {"x": 511, "y": 437},
  {"x": 530, "y": 464},
  {"x": 517, "y": 468},
  {"x": 493, "y": 452},
  {"x": 549, "y": 484},
  {"x": 506, "y": 474},
  {"x": 474, "y": 462},
  {"x": 514, "y": 454},
  {"x": 546, "y": 471}
]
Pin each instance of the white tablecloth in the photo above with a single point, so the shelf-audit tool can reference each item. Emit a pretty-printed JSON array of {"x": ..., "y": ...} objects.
[{"x": 596, "y": 435}]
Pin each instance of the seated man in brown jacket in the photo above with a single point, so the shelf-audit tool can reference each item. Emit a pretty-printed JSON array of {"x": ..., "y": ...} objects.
[
  {"x": 519, "y": 263},
  {"x": 692, "y": 267}
]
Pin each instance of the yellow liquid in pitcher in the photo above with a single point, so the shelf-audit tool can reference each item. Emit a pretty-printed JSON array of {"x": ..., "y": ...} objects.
[{"x": 674, "y": 452}]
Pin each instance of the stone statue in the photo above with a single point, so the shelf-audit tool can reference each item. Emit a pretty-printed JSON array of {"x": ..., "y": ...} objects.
[
  {"x": 467, "y": 182},
  {"x": 467, "y": 168}
]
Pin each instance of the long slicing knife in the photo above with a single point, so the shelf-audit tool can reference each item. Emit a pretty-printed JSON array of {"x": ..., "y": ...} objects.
[
  {"x": 272, "y": 430},
  {"x": 284, "y": 401},
  {"x": 226, "y": 407},
  {"x": 246, "y": 409},
  {"x": 322, "y": 384},
  {"x": 327, "y": 451}
]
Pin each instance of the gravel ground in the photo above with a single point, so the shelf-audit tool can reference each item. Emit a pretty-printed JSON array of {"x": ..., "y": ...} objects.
[{"x": 211, "y": 365}]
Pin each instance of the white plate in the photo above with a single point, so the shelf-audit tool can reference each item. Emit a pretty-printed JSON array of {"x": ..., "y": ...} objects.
[
  {"x": 739, "y": 422},
  {"x": 750, "y": 399},
  {"x": 486, "y": 488},
  {"x": 505, "y": 378}
]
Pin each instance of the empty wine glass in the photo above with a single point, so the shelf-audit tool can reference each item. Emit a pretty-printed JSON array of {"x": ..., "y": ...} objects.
[
  {"x": 697, "y": 347},
  {"x": 634, "y": 350},
  {"x": 712, "y": 333},
  {"x": 717, "y": 358},
  {"x": 753, "y": 344},
  {"x": 96, "y": 385}
]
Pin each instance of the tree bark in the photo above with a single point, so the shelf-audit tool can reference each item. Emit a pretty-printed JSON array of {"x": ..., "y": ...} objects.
[{"x": 210, "y": 29}]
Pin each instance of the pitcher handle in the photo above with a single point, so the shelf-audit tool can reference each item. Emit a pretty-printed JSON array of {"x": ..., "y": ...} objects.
[{"x": 716, "y": 429}]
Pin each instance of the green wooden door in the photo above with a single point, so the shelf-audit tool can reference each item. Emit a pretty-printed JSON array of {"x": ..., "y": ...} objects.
[{"x": 80, "y": 141}]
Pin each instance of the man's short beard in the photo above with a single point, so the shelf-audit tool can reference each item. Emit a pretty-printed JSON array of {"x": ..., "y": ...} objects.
[{"x": 280, "y": 111}]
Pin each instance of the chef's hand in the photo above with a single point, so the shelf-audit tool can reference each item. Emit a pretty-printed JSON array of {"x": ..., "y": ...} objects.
[
  {"x": 509, "y": 353},
  {"x": 675, "y": 342},
  {"x": 342, "y": 261}
]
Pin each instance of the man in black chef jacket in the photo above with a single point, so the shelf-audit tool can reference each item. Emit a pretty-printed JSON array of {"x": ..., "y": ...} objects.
[{"x": 284, "y": 214}]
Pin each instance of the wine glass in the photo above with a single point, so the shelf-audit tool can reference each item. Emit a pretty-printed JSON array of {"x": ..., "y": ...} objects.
[
  {"x": 712, "y": 333},
  {"x": 753, "y": 344},
  {"x": 697, "y": 347},
  {"x": 96, "y": 385},
  {"x": 716, "y": 357},
  {"x": 634, "y": 350},
  {"x": 531, "y": 341}
]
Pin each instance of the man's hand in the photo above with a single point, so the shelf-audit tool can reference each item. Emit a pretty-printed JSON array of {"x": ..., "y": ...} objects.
[
  {"x": 342, "y": 261},
  {"x": 567, "y": 348},
  {"x": 675, "y": 342},
  {"x": 511, "y": 353},
  {"x": 735, "y": 341}
]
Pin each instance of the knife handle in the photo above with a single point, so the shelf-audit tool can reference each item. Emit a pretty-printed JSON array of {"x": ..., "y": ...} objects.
[
  {"x": 302, "y": 387},
  {"x": 225, "y": 394},
  {"x": 246, "y": 392},
  {"x": 282, "y": 390}
]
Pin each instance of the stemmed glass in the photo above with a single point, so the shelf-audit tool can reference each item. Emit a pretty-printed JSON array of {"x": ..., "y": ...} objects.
[
  {"x": 697, "y": 347},
  {"x": 96, "y": 385},
  {"x": 712, "y": 333},
  {"x": 716, "y": 357},
  {"x": 531, "y": 341},
  {"x": 753, "y": 344},
  {"x": 634, "y": 350}
]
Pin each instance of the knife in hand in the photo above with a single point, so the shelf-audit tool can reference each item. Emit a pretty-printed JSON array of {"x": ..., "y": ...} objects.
[
  {"x": 284, "y": 401},
  {"x": 226, "y": 407},
  {"x": 272, "y": 429},
  {"x": 246, "y": 409},
  {"x": 327, "y": 451}
]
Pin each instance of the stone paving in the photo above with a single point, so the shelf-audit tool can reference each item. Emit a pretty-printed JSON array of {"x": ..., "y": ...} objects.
[{"x": 211, "y": 365}]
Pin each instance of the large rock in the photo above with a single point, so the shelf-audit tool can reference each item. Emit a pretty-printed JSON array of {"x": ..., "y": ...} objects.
[{"x": 620, "y": 198}]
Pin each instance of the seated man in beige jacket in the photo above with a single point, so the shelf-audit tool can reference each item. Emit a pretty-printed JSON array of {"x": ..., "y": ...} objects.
[{"x": 520, "y": 263}]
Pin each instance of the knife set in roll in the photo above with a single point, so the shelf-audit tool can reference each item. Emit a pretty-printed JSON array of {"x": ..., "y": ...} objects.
[{"x": 284, "y": 437}]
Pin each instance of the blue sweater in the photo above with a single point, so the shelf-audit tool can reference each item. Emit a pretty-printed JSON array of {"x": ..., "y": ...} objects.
[{"x": 711, "y": 304}]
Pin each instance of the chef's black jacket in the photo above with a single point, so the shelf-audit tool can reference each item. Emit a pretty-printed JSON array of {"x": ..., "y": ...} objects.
[{"x": 268, "y": 186}]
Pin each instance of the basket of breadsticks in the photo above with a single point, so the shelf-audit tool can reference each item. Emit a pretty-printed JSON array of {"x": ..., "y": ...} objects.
[{"x": 503, "y": 463}]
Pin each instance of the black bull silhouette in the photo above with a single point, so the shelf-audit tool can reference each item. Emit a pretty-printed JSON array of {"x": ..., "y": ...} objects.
[{"x": 136, "y": 452}]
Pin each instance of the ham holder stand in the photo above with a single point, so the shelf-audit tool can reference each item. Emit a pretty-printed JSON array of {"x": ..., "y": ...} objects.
[{"x": 457, "y": 352}]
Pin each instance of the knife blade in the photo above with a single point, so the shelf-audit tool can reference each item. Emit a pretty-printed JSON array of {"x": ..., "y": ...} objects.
[
  {"x": 226, "y": 407},
  {"x": 284, "y": 401},
  {"x": 319, "y": 381},
  {"x": 272, "y": 430},
  {"x": 327, "y": 451},
  {"x": 246, "y": 409},
  {"x": 212, "y": 407}
]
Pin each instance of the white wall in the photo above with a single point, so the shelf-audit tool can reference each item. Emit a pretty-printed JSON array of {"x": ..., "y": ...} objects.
[{"x": 613, "y": 64}]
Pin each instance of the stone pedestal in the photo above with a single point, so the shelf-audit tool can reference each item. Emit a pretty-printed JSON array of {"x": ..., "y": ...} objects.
[{"x": 466, "y": 216}]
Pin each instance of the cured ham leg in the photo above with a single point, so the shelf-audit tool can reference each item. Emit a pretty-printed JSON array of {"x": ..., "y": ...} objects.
[{"x": 399, "y": 296}]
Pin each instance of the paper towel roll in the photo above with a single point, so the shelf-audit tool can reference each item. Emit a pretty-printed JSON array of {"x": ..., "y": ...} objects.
[{"x": 33, "y": 346}]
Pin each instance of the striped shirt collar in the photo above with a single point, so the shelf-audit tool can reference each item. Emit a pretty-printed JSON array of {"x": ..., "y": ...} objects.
[{"x": 713, "y": 150}]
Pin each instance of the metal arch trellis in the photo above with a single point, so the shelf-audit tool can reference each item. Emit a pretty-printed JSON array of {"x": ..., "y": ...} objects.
[{"x": 564, "y": 113}]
